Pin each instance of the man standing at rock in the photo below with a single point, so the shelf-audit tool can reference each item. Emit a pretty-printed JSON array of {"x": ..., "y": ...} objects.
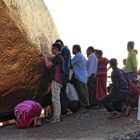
[
  {"x": 65, "y": 52},
  {"x": 131, "y": 63},
  {"x": 101, "y": 77},
  {"x": 56, "y": 65},
  {"x": 92, "y": 70},
  {"x": 80, "y": 75}
]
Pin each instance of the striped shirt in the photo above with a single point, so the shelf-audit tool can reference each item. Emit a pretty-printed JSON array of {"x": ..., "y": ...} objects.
[
  {"x": 102, "y": 67},
  {"x": 71, "y": 93}
]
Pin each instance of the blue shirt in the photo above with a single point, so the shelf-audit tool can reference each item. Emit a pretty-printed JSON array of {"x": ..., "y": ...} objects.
[
  {"x": 79, "y": 67},
  {"x": 92, "y": 64}
]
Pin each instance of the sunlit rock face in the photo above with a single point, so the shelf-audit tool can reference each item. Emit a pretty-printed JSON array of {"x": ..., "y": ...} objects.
[{"x": 25, "y": 26}]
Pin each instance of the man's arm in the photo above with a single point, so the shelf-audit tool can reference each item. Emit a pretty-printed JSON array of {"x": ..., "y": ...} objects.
[
  {"x": 134, "y": 63},
  {"x": 75, "y": 60},
  {"x": 48, "y": 63},
  {"x": 135, "y": 70}
]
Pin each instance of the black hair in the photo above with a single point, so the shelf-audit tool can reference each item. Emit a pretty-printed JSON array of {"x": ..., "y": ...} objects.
[
  {"x": 99, "y": 52},
  {"x": 77, "y": 47},
  {"x": 131, "y": 44},
  {"x": 95, "y": 50},
  {"x": 59, "y": 41},
  {"x": 113, "y": 62},
  {"x": 57, "y": 45},
  {"x": 90, "y": 48}
]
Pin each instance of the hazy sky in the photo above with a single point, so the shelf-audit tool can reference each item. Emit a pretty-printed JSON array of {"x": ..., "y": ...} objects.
[{"x": 104, "y": 24}]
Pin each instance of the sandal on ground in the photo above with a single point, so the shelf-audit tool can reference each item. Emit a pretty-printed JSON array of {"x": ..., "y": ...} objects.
[
  {"x": 114, "y": 116},
  {"x": 69, "y": 112},
  {"x": 54, "y": 120},
  {"x": 127, "y": 111}
]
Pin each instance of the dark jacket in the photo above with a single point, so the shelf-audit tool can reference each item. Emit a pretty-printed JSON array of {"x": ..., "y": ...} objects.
[
  {"x": 119, "y": 80},
  {"x": 65, "y": 52}
]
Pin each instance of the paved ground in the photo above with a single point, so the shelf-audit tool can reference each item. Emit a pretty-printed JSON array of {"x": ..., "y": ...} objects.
[{"x": 90, "y": 125}]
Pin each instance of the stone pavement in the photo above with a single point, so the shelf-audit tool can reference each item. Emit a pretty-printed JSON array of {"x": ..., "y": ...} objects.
[{"x": 90, "y": 125}]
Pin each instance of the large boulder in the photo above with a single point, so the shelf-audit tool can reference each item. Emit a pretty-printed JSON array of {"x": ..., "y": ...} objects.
[{"x": 24, "y": 26}]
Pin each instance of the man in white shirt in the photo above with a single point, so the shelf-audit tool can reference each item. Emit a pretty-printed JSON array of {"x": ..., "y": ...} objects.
[
  {"x": 92, "y": 70},
  {"x": 72, "y": 103},
  {"x": 73, "y": 99}
]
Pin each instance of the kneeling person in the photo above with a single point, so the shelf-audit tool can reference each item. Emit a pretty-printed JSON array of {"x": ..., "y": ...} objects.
[
  {"x": 119, "y": 92},
  {"x": 27, "y": 114},
  {"x": 73, "y": 99}
]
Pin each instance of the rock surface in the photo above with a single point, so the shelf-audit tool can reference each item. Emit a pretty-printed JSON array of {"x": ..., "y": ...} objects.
[{"x": 24, "y": 24}]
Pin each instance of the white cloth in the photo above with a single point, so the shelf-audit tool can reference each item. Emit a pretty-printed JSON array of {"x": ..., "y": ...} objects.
[
  {"x": 92, "y": 64},
  {"x": 71, "y": 93},
  {"x": 56, "y": 88}
]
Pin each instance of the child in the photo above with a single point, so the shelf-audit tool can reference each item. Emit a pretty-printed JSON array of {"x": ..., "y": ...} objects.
[{"x": 56, "y": 66}]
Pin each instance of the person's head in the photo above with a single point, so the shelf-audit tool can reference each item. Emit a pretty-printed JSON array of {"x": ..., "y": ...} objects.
[
  {"x": 60, "y": 42},
  {"x": 76, "y": 48},
  {"x": 124, "y": 62},
  {"x": 113, "y": 62},
  {"x": 90, "y": 50},
  {"x": 130, "y": 46},
  {"x": 56, "y": 48},
  {"x": 99, "y": 53},
  {"x": 95, "y": 50}
]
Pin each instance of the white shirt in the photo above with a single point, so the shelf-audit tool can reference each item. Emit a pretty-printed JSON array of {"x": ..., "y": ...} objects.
[
  {"x": 71, "y": 93},
  {"x": 92, "y": 64}
]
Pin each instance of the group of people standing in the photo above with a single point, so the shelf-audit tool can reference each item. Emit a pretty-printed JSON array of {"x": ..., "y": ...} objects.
[
  {"x": 87, "y": 87},
  {"x": 89, "y": 78}
]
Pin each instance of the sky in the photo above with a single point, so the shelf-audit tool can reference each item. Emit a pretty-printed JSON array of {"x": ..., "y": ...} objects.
[{"x": 103, "y": 24}]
